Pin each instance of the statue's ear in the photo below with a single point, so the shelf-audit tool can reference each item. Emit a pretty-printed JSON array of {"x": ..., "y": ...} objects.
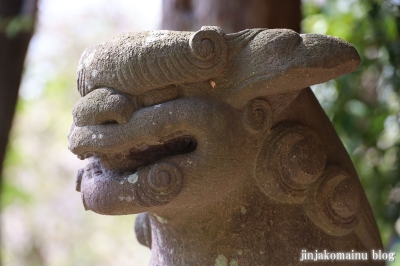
[
  {"x": 281, "y": 61},
  {"x": 257, "y": 116}
]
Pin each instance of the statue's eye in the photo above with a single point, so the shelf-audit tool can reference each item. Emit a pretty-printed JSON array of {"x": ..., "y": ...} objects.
[{"x": 159, "y": 96}]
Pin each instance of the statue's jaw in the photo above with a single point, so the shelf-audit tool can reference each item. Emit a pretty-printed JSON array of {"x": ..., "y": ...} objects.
[
  {"x": 130, "y": 174},
  {"x": 142, "y": 178},
  {"x": 116, "y": 193},
  {"x": 140, "y": 164}
]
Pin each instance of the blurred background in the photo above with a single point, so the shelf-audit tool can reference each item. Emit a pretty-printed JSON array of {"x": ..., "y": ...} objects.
[{"x": 42, "y": 218}]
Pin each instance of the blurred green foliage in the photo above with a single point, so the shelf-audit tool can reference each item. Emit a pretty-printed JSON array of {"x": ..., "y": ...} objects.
[
  {"x": 365, "y": 106},
  {"x": 16, "y": 25}
]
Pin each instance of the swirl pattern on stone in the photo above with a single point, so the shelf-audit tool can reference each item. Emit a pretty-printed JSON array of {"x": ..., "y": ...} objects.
[
  {"x": 329, "y": 204},
  {"x": 257, "y": 116},
  {"x": 209, "y": 49},
  {"x": 163, "y": 183},
  {"x": 292, "y": 158}
]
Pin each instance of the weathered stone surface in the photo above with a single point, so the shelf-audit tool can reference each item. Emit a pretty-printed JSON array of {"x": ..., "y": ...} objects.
[
  {"x": 101, "y": 107},
  {"x": 219, "y": 139}
]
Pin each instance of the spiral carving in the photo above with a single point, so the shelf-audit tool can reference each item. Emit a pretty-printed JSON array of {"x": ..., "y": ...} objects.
[
  {"x": 257, "y": 116},
  {"x": 292, "y": 158},
  {"x": 208, "y": 48},
  {"x": 163, "y": 183},
  {"x": 333, "y": 202}
]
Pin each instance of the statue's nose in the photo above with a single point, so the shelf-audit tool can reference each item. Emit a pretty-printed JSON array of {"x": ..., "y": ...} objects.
[{"x": 102, "y": 106}]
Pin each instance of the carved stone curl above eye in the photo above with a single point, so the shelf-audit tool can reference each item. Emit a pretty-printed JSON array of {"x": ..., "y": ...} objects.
[
  {"x": 163, "y": 183},
  {"x": 333, "y": 202},
  {"x": 257, "y": 116},
  {"x": 292, "y": 158},
  {"x": 209, "y": 49}
]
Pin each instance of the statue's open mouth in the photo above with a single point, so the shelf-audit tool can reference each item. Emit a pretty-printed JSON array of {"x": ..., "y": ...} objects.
[
  {"x": 151, "y": 153},
  {"x": 146, "y": 152},
  {"x": 144, "y": 161},
  {"x": 135, "y": 175}
]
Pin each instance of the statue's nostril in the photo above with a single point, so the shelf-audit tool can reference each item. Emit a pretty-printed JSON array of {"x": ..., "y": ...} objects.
[{"x": 102, "y": 106}]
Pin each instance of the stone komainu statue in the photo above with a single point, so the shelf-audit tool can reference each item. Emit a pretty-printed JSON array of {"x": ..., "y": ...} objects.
[{"x": 219, "y": 139}]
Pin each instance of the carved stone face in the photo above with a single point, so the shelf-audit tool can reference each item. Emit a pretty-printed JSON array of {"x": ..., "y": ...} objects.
[
  {"x": 165, "y": 117},
  {"x": 188, "y": 141}
]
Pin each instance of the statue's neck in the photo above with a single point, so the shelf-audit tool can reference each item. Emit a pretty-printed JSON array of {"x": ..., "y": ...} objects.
[
  {"x": 244, "y": 227},
  {"x": 225, "y": 233}
]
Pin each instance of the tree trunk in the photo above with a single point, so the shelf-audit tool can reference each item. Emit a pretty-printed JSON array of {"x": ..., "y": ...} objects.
[
  {"x": 231, "y": 15},
  {"x": 17, "y": 19}
]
